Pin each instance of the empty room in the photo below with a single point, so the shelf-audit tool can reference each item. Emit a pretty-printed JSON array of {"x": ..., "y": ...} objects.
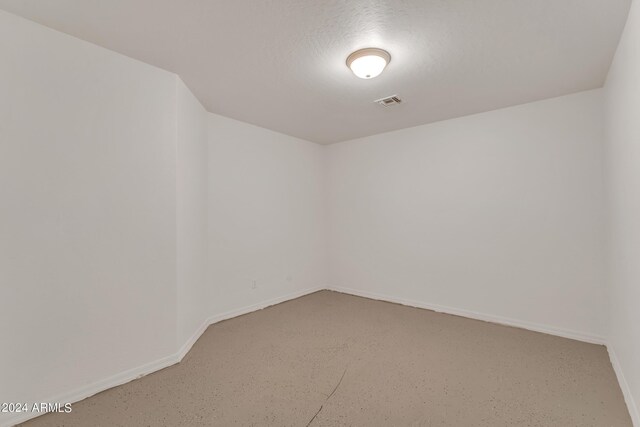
[{"x": 320, "y": 213}]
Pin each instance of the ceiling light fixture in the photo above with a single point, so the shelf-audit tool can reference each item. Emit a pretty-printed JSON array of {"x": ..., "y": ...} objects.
[{"x": 368, "y": 63}]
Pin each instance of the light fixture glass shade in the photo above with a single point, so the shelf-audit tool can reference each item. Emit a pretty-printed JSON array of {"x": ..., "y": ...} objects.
[{"x": 368, "y": 63}]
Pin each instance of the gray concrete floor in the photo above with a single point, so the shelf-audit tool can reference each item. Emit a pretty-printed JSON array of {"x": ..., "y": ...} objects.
[{"x": 330, "y": 359}]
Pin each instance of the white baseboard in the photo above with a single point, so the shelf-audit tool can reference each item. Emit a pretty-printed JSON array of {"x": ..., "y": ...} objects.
[
  {"x": 95, "y": 387},
  {"x": 191, "y": 341},
  {"x": 565, "y": 333},
  {"x": 579, "y": 336},
  {"x": 140, "y": 371},
  {"x": 239, "y": 312},
  {"x": 263, "y": 304},
  {"x": 624, "y": 386}
]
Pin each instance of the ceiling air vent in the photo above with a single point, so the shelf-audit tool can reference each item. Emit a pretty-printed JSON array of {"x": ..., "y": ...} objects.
[{"x": 388, "y": 101}]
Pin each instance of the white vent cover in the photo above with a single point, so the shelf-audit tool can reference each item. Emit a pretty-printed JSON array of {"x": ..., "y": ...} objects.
[{"x": 388, "y": 101}]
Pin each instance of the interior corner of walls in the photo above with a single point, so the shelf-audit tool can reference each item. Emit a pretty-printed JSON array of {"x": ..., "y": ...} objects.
[
  {"x": 177, "y": 356},
  {"x": 229, "y": 314},
  {"x": 631, "y": 402},
  {"x": 186, "y": 344},
  {"x": 621, "y": 109},
  {"x": 471, "y": 172}
]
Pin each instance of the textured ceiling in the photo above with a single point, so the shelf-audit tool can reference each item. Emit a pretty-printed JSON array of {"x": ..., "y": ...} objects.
[{"x": 280, "y": 64}]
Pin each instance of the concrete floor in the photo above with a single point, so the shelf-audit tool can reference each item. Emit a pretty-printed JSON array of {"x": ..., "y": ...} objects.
[{"x": 330, "y": 359}]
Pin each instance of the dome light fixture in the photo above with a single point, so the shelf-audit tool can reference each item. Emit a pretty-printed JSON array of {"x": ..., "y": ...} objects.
[{"x": 368, "y": 63}]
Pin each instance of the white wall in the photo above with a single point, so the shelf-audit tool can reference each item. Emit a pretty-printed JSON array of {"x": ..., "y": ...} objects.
[
  {"x": 87, "y": 213},
  {"x": 266, "y": 214},
  {"x": 105, "y": 166},
  {"x": 622, "y": 172},
  {"x": 129, "y": 215},
  {"x": 497, "y": 214},
  {"x": 192, "y": 294}
]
